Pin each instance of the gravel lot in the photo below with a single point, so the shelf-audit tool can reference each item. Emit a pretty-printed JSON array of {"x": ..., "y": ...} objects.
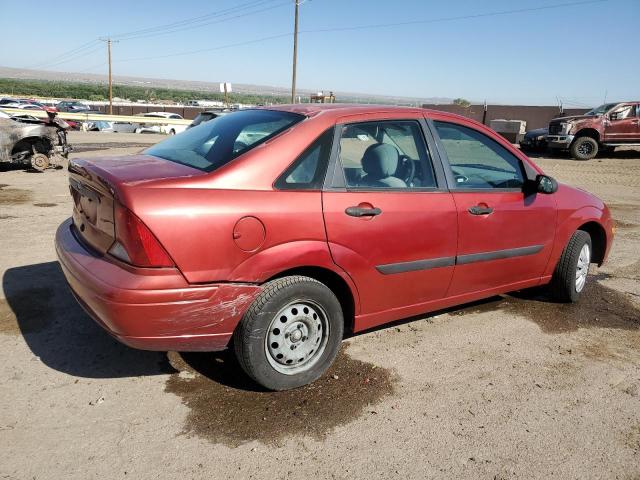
[{"x": 512, "y": 387}]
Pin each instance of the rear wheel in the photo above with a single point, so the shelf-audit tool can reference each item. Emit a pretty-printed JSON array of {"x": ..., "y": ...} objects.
[
  {"x": 570, "y": 275},
  {"x": 291, "y": 333},
  {"x": 584, "y": 148}
]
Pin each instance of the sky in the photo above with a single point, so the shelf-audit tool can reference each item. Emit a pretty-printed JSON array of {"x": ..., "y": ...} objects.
[{"x": 578, "y": 52}]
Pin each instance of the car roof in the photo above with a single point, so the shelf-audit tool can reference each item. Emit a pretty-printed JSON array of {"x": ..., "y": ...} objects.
[{"x": 337, "y": 110}]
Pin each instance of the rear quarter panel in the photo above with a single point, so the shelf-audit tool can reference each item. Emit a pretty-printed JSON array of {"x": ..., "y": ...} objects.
[{"x": 196, "y": 227}]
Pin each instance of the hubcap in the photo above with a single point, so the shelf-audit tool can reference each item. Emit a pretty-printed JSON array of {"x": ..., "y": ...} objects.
[
  {"x": 297, "y": 337},
  {"x": 582, "y": 269}
]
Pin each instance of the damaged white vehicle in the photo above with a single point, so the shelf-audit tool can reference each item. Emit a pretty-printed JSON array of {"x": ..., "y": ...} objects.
[{"x": 35, "y": 144}]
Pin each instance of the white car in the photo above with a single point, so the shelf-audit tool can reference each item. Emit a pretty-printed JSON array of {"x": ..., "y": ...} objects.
[
  {"x": 22, "y": 106},
  {"x": 169, "y": 129}
]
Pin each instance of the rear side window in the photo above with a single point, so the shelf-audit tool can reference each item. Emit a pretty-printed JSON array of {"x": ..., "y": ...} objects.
[
  {"x": 212, "y": 144},
  {"x": 478, "y": 161},
  {"x": 308, "y": 171},
  {"x": 387, "y": 154}
]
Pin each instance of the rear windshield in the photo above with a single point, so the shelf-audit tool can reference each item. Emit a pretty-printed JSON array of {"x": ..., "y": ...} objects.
[{"x": 212, "y": 144}]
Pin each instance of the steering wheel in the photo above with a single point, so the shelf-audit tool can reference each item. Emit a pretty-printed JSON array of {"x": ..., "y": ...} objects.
[{"x": 407, "y": 168}]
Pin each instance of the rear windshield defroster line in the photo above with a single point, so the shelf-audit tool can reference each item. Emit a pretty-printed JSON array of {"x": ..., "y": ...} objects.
[{"x": 212, "y": 144}]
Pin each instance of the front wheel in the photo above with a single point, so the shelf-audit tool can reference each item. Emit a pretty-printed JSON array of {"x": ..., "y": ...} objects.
[
  {"x": 570, "y": 275},
  {"x": 291, "y": 334},
  {"x": 584, "y": 148}
]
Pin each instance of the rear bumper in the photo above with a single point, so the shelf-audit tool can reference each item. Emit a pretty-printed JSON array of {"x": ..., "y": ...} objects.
[{"x": 151, "y": 309}]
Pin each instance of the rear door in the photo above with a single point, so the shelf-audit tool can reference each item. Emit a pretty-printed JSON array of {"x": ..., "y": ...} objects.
[
  {"x": 504, "y": 235},
  {"x": 391, "y": 223},
  {"x": 622, "y": 124}
]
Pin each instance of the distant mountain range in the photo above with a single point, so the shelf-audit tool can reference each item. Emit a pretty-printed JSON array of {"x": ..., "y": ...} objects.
[{"x": 206, "y": 87}]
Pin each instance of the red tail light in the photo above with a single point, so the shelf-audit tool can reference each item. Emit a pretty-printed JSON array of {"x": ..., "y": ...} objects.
[{"x": 135, "y": 244}]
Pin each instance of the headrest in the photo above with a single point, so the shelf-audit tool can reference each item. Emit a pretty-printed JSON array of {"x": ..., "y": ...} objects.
[{"x": 380, "y": 160}]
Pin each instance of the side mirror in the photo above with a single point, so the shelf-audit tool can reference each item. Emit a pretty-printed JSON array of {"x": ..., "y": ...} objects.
[{"x": 546, "y": 184}]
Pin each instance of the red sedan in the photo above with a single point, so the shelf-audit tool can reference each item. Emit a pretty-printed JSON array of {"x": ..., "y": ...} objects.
[{"x": 282, "y": 228}]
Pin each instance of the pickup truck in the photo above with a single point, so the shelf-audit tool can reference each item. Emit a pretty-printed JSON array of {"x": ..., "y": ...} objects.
[{"x": 599, "y": 130}]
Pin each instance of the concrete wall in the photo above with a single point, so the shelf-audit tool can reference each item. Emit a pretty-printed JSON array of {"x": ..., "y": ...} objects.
[{"x": 535, "y": 116}]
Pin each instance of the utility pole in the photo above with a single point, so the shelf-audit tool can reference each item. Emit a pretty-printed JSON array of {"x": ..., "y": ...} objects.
[
  {"x": 109, "y": 42},
  {"x": 295, "y": 53},
  {"x": 110, "y": 80}
]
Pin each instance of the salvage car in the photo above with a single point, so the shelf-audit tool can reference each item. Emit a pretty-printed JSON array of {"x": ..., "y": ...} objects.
[
  {"x": 535, "y": 140},
  {"x": 169, "y": 128},
  {"x": 36, "y": 143},
  {"x": 276, "y": 230},
  {"x": 599, "y": 130},
  {"x": 72, "y": 107},
  {"x": 206, "y": 116}
]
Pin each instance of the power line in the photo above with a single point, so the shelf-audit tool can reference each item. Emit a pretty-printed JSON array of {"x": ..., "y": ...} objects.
[
  {"x": 203, "y": 20},
  {"x": 362, "y": 27},
  {"x": 71, "y": 59},
  {"x": 202, "y": 50},
  {"x": 460, "y": 17},
  {"x": 72, "y": 52},
  {"x": 211, "y": 22},
  {"x": 272, "y": 37}
]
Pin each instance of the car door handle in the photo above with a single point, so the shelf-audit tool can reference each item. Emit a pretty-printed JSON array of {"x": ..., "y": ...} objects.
[
  {"x": 362, "y": 212},
  {"x": 480, "y": 210}
]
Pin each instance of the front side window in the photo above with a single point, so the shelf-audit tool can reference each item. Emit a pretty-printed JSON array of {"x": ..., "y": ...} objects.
[
  {"x": 212, "y": 144},
  {"x": 385, "y": 154},
  {"x": 623, "y": 112},
  {"x": 478, "y": 161}
]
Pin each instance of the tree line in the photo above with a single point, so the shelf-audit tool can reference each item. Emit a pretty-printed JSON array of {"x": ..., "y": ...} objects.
[{"x": 98, "y": 92}]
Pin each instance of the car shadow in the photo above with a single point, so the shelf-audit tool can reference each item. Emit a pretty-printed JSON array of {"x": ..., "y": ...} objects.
[{"x": 40, "y": 307}]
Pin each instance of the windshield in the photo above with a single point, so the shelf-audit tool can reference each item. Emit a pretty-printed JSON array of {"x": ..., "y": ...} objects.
[
  {"x": 601, "y": 109},
  {"x": 213, "y": 144}
]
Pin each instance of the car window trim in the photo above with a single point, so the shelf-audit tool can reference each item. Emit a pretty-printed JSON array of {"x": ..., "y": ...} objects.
[
  {"x": 452, "y": 184},
  {"x": 335, "y": 179}
]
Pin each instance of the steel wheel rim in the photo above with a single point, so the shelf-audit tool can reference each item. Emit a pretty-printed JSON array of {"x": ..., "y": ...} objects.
[
  {"x": 297, "y": 337},
  {"x": 582, "y": 269}
]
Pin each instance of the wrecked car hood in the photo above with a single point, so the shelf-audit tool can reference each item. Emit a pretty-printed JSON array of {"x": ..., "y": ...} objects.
[{"x": 574, "y": 118}]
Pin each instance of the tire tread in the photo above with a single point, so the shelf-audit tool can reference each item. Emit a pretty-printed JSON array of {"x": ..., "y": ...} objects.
[{"x": 563, "y": 280}]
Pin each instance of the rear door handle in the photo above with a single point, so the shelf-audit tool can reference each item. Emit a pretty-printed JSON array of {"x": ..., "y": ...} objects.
[
  {"x": 480, "y": 210},
  {"x": 362, "y": 212}
]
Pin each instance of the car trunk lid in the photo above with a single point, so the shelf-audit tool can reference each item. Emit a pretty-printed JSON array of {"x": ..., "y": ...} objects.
[{"x": 97, "y": 184}]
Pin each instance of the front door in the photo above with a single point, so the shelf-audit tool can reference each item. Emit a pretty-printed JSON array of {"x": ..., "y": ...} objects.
[
  {"x": 392, "y": 226},
  {"x": 504, "y": 236},
  {"x": 622, "y": 125}
]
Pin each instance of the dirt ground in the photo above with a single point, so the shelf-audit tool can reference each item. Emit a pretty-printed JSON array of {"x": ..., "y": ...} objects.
[{"x": 512, "y": 387}]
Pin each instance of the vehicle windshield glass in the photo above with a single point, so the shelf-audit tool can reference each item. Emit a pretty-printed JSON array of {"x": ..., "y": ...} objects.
[
  {"x": 213, "y": 144},
  {"x": 601, "y": 109}
]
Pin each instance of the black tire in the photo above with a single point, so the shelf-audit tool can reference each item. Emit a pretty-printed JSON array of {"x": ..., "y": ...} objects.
[
  {"x": 584, "y": 148},
  {"x": 563, "y": 283},
  {"x": 250, "y": 336}
]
